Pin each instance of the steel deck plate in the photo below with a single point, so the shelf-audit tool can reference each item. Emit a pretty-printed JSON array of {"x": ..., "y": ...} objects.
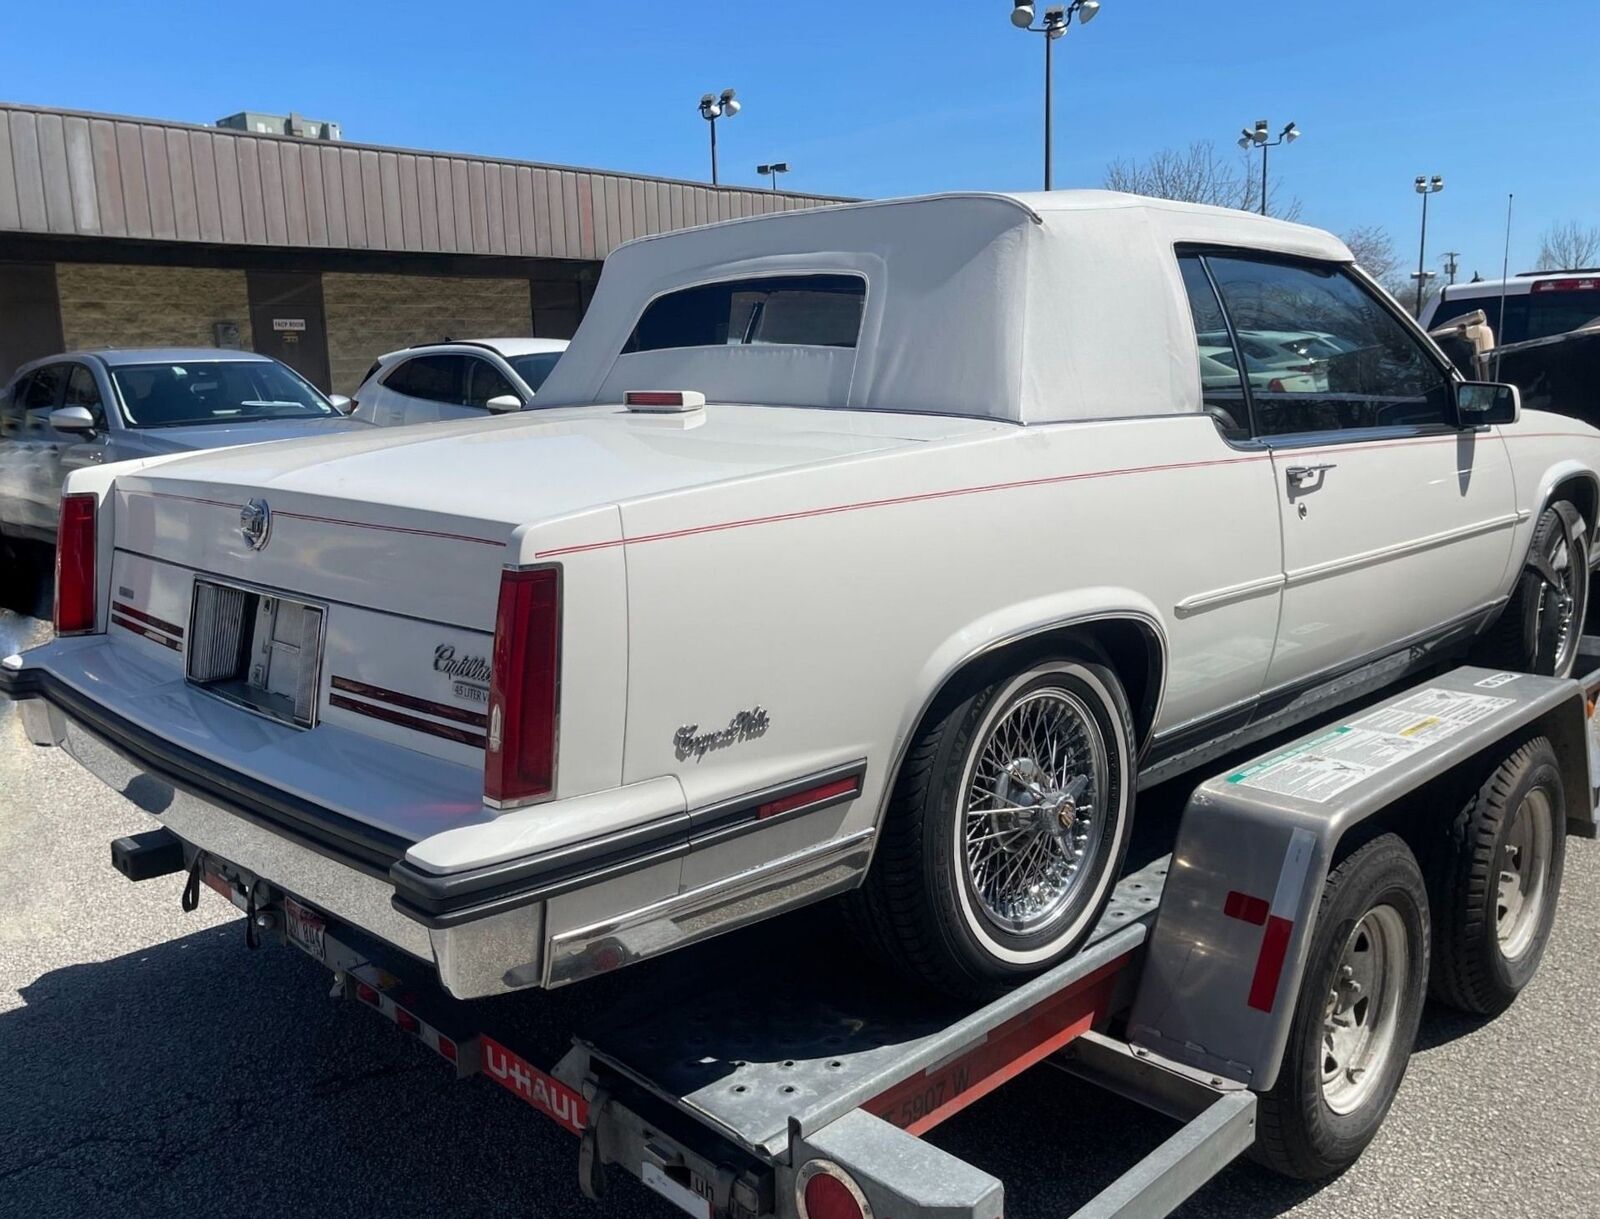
[{"x": 778, "y": 1043}]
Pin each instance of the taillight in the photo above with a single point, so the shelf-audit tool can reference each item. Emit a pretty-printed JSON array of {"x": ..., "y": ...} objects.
[
  {"x": 520, "y": 761},
  {"x": 826, "y": 1191},
  {"x": 75, "y": 582}
]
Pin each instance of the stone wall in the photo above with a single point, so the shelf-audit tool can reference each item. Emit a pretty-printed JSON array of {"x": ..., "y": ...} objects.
[
  {"x": 112, "y": 305},
  {"x": 369, "y": 315}
]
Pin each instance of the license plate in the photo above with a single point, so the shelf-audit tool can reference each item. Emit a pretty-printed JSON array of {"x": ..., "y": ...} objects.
[
  {"x": 680, "y": 1196},
  {"x": 306, "y": 928}
]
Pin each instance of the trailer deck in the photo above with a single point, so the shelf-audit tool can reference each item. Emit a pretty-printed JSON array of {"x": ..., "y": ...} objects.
[{"x": 731, "y": 1085}]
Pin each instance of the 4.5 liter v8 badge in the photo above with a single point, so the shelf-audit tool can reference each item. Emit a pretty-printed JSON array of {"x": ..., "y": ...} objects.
[{"x": 690, "y": 742}]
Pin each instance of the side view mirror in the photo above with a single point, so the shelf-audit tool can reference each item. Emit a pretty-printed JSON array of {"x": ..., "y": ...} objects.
[
  {"x": 504, "y": 402},
  {"x": 72, "y": 419},
  {"x": 341, "y": 403},
  {"x": 1480, "y": 403}
]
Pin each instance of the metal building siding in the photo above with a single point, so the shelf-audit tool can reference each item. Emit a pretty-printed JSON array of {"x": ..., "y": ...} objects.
[{"x": 102, "y": 175}]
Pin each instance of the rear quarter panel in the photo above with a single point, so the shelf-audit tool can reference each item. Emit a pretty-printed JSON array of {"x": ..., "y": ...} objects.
[{"x": 838, "y": 598}]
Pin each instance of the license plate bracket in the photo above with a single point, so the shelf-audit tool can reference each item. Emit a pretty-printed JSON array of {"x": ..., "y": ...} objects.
[
  {"x": 306, "y": 929},
  {"x": 258, "y": 649}
]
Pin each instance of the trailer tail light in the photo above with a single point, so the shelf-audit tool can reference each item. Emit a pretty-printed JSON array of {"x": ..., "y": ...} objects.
[
  {"x": 524, "y": 689},
  {"x": 75, "y": 566},
  {"x": 826, "y": 1191}
]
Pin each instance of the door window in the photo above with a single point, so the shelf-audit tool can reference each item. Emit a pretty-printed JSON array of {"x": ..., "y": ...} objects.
[
  {"x": 436, "y": 378},
  {"x": 43, "y": 392},
  {"x": 485, "y": 381},
  {"x": 1321, "y": 353},
  {"x": 1221, "y": 382},
  {"x": 82, "y": 390}
]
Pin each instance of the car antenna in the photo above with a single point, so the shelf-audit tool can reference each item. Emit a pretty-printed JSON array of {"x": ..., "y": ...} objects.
[{"x": 1505, "y": 276}]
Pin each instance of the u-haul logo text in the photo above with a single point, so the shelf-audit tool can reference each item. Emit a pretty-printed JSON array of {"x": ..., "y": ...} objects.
[{"x": 544, "y": 1092}]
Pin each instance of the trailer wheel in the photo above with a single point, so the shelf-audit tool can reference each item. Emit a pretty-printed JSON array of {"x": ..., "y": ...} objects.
[
  {"x": 1494, "y": 881},
  {"x": 1007, "y": 828},
  {"x": 1356, "y": 1015}
]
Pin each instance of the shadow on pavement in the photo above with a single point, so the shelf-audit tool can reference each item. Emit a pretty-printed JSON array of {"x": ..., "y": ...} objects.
[{"x": 196, "y": 1073}]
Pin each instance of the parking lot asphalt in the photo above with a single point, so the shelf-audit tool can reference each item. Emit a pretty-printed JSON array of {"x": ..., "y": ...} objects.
[{"x": 151, "y": 1065}]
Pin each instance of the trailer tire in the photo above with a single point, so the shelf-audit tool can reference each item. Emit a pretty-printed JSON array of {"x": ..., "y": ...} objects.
[
  {"x": 1494, "y": 880},
  {"x": 1350, "y": 1039},
  {"x": 924, "y": 904}
]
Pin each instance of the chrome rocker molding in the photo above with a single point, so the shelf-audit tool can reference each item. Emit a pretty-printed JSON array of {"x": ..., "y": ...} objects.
[
  {"x": 443, "y": 900},
  {"x": 725, "y": 905}
]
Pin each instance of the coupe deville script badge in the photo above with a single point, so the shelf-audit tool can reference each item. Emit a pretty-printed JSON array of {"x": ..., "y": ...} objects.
[
  {"x": 255, "y": 522},
  {"x": 690, "y": 742}
]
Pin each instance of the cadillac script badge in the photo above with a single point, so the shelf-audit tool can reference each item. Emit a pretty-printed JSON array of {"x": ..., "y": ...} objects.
[{"x": 689, "y": 742}]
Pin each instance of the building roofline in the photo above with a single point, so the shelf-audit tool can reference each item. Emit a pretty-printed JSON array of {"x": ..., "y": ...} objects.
[{"x": 302, "y": 141}]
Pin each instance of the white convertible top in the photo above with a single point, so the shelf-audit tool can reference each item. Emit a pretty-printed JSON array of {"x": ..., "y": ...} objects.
[{"x": 1029, "y": 307}]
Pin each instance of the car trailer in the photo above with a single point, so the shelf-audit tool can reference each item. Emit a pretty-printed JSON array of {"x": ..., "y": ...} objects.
[{"x": 774, "y": 1094}]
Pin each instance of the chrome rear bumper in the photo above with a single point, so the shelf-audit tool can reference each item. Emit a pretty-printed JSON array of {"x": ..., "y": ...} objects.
[{"x": 585, "y": 926}]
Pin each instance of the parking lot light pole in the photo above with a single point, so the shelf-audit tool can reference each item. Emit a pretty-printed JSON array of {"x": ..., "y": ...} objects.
[
  {"x": 713, "y": 108},
  {"x": 1425, "y": 186},
  {"x": 1259, "y": 136},
  {"x": 772, "y": 171},
  {"x": 1056, "y": 21}
]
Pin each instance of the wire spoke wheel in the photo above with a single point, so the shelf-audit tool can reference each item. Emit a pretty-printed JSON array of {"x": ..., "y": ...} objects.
[
  {"x": 1033, "y": 809},
  {"x": 1362, "y": 1008},
  {"x": 1524, "y": 864}
]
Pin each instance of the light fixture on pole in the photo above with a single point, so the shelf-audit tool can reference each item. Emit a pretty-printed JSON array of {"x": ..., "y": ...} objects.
[
  {"x": 713, "y": 108},
  {"x": 1055, "y": 23},
  {"x": 1425, "y": 186},
  {"x": 1260, "y": 136},
  {"x": 772, "y": 171}
]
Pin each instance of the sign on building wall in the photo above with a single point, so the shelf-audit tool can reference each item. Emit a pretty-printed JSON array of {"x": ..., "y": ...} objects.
[{"x": 288, "y": 323}]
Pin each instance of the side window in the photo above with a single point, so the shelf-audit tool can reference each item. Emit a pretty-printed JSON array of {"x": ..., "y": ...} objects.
[
  {"x": 1321, "y": 353},
  {"x": 484, "y": 381},
  {"x": 435, "y": 378},
  {"x": 44, "y": 389},
  {"x": 43, "y": 395},
  {"x": 11, "y": 408},
  {"x": 82, "y": 391},
  {"x": 800, "y": 310},
  {"x": 1221, "y": 383}
]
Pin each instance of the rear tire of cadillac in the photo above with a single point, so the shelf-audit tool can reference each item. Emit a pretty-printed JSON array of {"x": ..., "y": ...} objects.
[
  {"x": 1007, "y": 828},
  {"x": 1355, "y": 1017}
]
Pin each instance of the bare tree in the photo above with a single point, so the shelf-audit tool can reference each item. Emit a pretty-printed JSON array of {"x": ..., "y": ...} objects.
[
  {"x": 1198, "y": 174},
  {"x": 1375, "y": 252},
  {"x": 1568, "y": 246}
]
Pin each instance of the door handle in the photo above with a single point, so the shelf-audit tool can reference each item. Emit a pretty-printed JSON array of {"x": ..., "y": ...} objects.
[{"x": 1299, "y": 476}]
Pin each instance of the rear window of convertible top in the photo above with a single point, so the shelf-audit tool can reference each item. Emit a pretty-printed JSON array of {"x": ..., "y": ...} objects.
[{"x": 796, "y": 310}]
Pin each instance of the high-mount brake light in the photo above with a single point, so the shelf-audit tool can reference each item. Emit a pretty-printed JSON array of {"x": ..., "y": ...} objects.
[
  {"x": 524, "y": 689},
  {"x": 75, "y": 566},
  {"x": 1587, "y": 284},
  {"x": 663, "y": 400}
]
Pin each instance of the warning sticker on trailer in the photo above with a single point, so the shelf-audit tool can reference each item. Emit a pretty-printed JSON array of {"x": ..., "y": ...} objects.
[{"x": 1321, "y": 768}]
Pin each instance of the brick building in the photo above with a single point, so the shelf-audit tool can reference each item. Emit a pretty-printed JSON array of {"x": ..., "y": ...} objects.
[{"x": 130, "y": 232}]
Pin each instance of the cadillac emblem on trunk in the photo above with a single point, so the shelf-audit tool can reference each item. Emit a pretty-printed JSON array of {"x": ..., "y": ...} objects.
[{"x": 255, "y": 522}]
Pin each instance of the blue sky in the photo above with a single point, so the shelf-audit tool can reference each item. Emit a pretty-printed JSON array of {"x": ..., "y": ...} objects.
[{"x": 879, "y": 99}]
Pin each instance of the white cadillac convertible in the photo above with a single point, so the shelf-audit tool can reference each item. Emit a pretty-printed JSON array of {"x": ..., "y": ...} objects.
[{"x": 884, "y": 547}]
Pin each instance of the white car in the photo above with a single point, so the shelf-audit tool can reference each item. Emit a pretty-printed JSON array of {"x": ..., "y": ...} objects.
[
  {"x": 457, "y": 379},
  {"x": 883, "y": 547}
]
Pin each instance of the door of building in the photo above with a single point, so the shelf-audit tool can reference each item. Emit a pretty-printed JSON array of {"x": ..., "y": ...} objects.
[
  {"x": 30, "y": 314},
  {"x": 287, "y": 322}
]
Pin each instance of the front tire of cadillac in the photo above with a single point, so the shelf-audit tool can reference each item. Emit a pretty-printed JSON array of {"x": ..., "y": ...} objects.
[
  {"x": 1539, "y": 629},
  {"x": 1007, "y": 828}
]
